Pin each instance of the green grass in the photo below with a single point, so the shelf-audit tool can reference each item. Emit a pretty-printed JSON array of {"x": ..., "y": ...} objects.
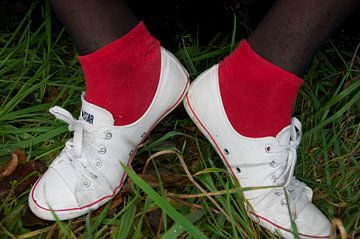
[{"x": 39, "y": 70}]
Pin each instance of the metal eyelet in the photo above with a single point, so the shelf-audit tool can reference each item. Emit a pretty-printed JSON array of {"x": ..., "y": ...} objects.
[
  {"x": 108, "y": 136},
  {"x": 238, "y": 170},
  {"x": 102, "y": 150},
  {"x": 273, "y": 164},
  {"x": 268, "y": 148},
  {"x": 98, "y": 163},
  {"x": 277, "y": 192},
  {"x": 273, "y": 178},
  {"x": 284, "y": 202},
  {"x": 226, "y": 151},
  {"x": 143, "y": 135},
  {"x": 85, "y": 183}
]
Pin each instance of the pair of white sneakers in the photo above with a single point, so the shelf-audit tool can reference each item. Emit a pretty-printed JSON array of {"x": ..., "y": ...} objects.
[{"x": 88, "y": 172}]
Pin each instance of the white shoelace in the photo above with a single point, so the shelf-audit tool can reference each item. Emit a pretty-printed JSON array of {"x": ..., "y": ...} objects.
[
  {"x": 295, "y": 137},
  {"x": 292, "y": 187},
  {"x": 74, "y": 146},
  {"x": 286, "y": 165}
]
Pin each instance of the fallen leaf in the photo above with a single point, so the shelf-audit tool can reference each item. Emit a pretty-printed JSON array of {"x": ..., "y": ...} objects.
[
  {"x": 10, "y": 166},
  {"x": 21, "y": 155},
  {"x": 16, "y": 158}
]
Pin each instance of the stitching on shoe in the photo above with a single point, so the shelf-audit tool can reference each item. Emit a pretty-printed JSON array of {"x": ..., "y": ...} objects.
[
  {"x": 226, "y": 161},
  {"x": 283, "y": 228},
  {"x": 217, "y": 146},
  {"x": 178, "y": 101}
]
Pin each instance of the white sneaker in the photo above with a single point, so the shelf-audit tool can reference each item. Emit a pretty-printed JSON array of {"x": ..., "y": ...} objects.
[
  {"x": 87, "y": 173},
  {"x": 258, "y": 162}
]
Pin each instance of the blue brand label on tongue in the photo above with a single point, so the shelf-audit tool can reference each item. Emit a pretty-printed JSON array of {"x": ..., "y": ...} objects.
[{"x": 87, "y": 117}]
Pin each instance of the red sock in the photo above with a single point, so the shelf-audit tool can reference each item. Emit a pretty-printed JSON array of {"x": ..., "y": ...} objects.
[
  {"x": 122, "y": 76},
  {"x": 258, "y": 96}
]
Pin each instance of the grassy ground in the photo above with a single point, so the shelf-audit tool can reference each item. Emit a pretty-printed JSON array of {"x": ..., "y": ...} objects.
[{"x": 38, "y": 70}]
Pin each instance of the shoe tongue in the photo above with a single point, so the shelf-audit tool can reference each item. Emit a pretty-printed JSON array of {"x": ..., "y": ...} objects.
[
  {"x": 95, "y": 115},
  {"x": 284, "y": 136}
]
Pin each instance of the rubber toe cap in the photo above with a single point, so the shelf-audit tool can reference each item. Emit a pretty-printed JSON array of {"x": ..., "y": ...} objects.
[{"x": 51, "y": 193}]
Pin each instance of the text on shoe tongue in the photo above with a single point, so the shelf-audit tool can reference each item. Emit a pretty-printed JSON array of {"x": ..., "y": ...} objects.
[{"x": 87, "y": 117}]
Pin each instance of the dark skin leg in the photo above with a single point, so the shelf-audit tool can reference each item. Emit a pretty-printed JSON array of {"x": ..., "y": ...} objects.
[
  {"x": 293, "y": 31},
  {"x": 289, "y": 36},
  {"x": 94, "y": 23}
]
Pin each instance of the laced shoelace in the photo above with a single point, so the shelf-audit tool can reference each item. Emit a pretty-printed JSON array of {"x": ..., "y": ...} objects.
[
  {"x": 289, "y": 162},
  {"x": 75, "y": 146},
  {"x": 285, "y": 164},
  {"x": 292, "y": 187}
]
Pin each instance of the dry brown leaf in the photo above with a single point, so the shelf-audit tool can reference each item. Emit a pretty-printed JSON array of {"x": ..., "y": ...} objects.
[
  {"x": 10, "y": 166},
  {"x": 20, "y": 154},
  {"x": 337, "y": 224},
  {"x": 16, "y": 158}
]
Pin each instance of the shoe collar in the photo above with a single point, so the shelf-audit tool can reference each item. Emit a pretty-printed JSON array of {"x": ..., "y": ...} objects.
[{"x": 95, "y": 115}]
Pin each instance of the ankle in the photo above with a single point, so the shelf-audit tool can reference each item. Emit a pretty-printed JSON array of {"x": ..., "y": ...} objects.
[
  {"x": 258, "y": 96},
  {"x": 122, "y": 76}
]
